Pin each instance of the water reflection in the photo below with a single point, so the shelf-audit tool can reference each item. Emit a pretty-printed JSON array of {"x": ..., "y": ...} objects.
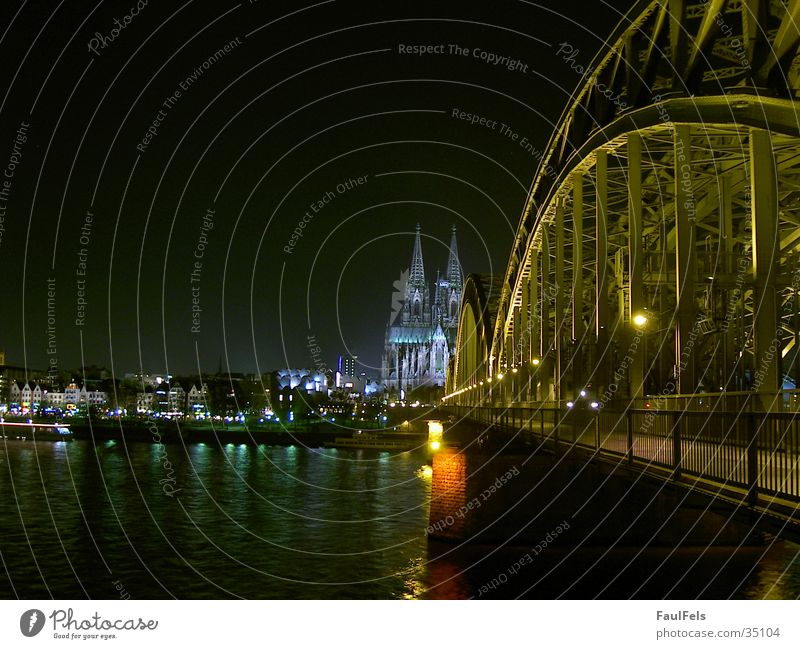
[
  {"x": 243, "y": 522},
  {"x": 289, "y": 522}
]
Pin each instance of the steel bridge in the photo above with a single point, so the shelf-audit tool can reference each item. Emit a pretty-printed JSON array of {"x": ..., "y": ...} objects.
[{"x": 650, "y": 309}]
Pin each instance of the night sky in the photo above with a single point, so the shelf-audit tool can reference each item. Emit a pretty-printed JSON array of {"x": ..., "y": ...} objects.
[{"x": 258, "y": 111}]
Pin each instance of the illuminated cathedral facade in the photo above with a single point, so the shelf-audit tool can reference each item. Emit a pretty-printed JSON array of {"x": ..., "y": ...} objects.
[{"x": 421, "y": 333}]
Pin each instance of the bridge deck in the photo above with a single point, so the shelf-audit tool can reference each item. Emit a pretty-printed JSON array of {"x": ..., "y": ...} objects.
[{"x": 752, "y": 458}]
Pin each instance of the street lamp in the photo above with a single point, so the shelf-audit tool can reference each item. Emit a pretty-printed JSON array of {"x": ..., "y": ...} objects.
[
  {"x": 435, "y": 434},
  {"x": 637, "y": 372}
]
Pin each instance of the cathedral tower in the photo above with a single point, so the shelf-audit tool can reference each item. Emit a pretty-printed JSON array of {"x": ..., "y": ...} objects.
[
  {"x": 417, "y": 301},
  {"x": 419, "y": 343}
]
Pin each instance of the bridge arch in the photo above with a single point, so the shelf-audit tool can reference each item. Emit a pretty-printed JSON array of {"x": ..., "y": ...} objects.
[
  {"x": 475, "y": 326},
  {"x": 658, "y": 253}
]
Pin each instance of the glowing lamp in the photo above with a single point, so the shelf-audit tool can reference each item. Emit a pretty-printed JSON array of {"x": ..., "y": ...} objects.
[{"x": 435, "y": 434}]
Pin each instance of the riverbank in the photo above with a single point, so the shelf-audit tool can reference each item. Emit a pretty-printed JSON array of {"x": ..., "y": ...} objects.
[{"x": 315, "y": 435}]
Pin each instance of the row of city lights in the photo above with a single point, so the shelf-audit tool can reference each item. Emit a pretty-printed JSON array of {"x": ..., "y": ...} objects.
[
  {"x": 500, "y": 377},
  {"x": 639, "y": 320},
  {"x": 570, "y": 404}
]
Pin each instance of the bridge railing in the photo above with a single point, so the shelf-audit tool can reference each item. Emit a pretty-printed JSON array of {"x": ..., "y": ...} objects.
[{"x": 757, "y": 453}]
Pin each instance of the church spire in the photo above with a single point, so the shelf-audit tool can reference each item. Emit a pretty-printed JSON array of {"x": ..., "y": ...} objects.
[
  {"x": 416, "y": 276},
  {"x": 453, "y": 266}
]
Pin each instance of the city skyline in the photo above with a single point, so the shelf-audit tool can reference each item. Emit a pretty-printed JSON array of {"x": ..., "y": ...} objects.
[
  {"x": 349, "y": 300},
  {"x": 192, "y": 190}
]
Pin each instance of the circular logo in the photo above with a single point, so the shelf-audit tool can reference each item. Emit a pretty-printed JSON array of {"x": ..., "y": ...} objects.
[{"x": 31, "y": 622}]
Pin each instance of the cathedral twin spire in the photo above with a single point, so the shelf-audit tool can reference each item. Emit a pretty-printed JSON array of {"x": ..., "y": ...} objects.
[
  {"x": 416, "y": 277},
  {"x": 453, "y": 266},
  {"x": 417, "y": 271},
  {"x": 419, "y": 311}
]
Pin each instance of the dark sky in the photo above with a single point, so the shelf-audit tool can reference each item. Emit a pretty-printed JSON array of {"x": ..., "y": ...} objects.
[{"x": 307, "y": 97}]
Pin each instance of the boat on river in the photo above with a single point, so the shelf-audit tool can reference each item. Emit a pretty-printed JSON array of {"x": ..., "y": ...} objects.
[
  {"x": 35, "y": 432},
  {"x": 373, "y": 441}
]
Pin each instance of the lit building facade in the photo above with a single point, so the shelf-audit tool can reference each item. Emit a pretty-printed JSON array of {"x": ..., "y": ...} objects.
[{"x": 421, "y": 334}]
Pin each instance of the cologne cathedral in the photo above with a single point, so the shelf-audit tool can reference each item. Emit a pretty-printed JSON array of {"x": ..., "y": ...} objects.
[{"x": 421, "y": 333}]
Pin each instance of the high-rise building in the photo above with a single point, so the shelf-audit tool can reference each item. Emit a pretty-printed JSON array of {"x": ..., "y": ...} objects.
[
  {"x": 347, "y": 372},
  {"x": 421, "y": 332}
]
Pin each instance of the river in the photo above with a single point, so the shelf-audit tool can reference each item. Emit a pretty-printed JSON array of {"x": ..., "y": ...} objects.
[{"x": 198, "y": 521}]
